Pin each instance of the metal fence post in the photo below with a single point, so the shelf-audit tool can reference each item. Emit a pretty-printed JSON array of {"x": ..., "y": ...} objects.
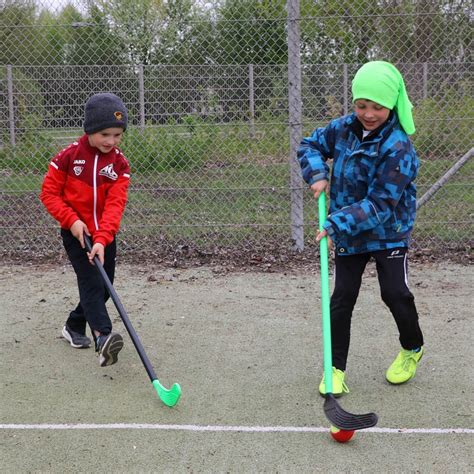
[
  {"x": 346, "y": 90},
  {"x": 295, "y": 122},
  {"x": 141, "y": 96},
  {"x": 425, "y": 81},
  {"x": 251, "y": 102},
  {"x": 11, "y": 107},
  {"x": 446, "y": 176}
]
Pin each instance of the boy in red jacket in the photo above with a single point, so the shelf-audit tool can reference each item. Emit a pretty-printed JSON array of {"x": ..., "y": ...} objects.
[{"x": 85, "y": 190}]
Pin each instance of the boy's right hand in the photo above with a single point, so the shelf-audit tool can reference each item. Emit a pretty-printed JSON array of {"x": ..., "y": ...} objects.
[
  {"x": 78, "y": 229},
  {"x": 98, "y": 250},
  {"x": 320, "y": 186}
]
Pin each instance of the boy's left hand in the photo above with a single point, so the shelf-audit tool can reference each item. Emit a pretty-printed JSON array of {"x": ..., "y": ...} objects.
[
  {"x": 322, "y": 234},
  {"x": 97, "y": 250}
]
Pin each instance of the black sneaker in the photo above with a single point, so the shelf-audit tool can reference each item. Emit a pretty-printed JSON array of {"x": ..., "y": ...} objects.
[
  {"x": 77, "y": 340},
  {"x": 108, "y": 346}
]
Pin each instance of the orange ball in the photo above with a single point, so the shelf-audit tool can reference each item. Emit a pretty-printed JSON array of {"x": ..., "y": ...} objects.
[{"x": 341, "y": 436}]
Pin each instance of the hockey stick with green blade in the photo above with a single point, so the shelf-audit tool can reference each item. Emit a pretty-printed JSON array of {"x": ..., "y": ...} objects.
[{"x": 168, "y": 397}]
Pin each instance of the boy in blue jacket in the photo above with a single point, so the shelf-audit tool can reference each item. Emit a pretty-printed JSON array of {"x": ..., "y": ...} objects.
[{"x": 372, "y": 209}]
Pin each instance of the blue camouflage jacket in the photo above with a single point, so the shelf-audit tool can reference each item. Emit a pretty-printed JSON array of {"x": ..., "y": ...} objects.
[{"x": 372, "y": 192}]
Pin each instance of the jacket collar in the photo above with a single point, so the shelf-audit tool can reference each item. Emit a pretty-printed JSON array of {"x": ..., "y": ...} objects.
[
  {"x": 84, "y": 142},
  {"x": 375, "y": 135}
]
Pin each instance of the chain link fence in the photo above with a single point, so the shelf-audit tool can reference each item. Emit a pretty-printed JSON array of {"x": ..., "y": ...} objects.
[{"x": 219, "y": 95}]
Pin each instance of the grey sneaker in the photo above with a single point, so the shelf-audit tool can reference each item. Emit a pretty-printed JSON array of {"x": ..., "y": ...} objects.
[
  {"x": 77, "y": 340},
  {"x": 108, "y": 346}
]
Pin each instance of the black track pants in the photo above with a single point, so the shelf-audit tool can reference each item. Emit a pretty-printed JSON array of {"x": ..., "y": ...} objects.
[
  {"x": 392, "y": 274},
  {"x": 92, "y": 291}
]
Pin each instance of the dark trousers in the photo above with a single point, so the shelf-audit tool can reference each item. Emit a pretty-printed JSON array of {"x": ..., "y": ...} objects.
[
  {"x": 92, "y": 291},
  {"x": 392, "y": 271}
]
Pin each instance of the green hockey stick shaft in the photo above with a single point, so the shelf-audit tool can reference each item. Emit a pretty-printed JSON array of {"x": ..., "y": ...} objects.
[{"x": 325, "y": 299}]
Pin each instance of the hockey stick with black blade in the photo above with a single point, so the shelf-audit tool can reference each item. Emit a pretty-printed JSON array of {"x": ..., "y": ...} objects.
[
  {"x": 333, "y": 411},
  {"x": 168, "y": 397}
]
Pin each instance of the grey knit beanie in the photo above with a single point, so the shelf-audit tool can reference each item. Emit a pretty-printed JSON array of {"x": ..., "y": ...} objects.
[{"x": 104, "y": 110}]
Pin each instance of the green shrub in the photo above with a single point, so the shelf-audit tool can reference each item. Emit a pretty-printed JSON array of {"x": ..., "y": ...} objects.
[
  {"x": 170, "y": 146},
  {"x": 444, "y": 125},
  {"x": 32, "y": 152}
]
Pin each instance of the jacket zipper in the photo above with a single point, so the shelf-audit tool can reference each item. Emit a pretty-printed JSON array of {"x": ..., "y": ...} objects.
[
  {"x": 94, "y": 185},
  {"x": 375, "y": 210},
  {"x": 344, "y": 163}
]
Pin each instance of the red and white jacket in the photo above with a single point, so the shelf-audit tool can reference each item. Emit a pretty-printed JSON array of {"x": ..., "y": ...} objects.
[{"x": 83, "y": 183}]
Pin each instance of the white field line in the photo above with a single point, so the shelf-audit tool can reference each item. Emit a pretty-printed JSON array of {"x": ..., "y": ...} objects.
[{"x": 221, "y": 428}]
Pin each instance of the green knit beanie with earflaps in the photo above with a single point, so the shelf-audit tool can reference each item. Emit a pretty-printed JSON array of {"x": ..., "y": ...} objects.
[{"x": 381, "y": 82}]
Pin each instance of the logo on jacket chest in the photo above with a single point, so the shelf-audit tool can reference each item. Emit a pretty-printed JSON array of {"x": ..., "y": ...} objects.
[
  {"x": 108, "y": 172},
  {"x": 78, "y": 168}
]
